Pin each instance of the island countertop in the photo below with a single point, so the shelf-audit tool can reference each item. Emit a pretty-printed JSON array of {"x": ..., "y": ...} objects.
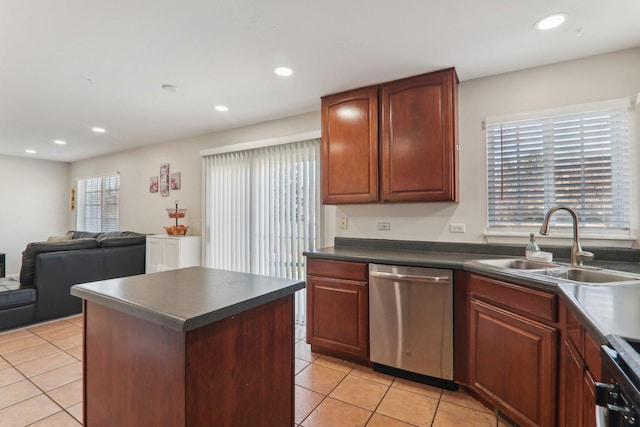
[{"x": 188, "y": 298}]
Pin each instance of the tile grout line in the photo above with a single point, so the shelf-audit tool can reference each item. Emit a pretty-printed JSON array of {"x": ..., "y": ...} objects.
[
  {"x": 43, "y": 392},
  {"x": 381, "y": 399},
  {"x": 433, "y": 420},
  {"x": 413, "y": 392},
  {"x": 50, "y": 398},
  {"x": 338, "y": 384},
  {"x": 325, "y": 396},
  {"x": 349, "y": 372},
  {"x": 372, "y": 412},
  {"x": 24, "y": 377}
]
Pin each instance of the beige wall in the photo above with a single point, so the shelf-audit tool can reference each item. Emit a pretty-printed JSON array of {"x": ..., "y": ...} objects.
[
  {"x": 598, "y": 78},
  {"x": 144, "y": 212},
  {"x": 42, "y": 196},
  {"x": 35, "y": 203}
]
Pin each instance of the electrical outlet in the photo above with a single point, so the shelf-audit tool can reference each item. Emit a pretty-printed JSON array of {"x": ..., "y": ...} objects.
[
  {"x": 343, "y": 223},
  {"x": 456, "y": 228},
  {"x": 386, "y": 226}
]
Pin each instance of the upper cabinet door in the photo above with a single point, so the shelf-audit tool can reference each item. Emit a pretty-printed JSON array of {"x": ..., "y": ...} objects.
[
  {"x": 350, "y": 147},
  {"x": 419, "y": 158}
]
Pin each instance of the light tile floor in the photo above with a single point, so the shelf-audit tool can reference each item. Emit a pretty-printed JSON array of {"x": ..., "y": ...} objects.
[
  {"x": 41, "y": 385},
  {"x": 41, "y": 375}
]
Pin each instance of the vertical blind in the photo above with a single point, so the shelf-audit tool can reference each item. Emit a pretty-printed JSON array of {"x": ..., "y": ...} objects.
[
  {"x": 98, "y": 203},
  {"x": 578, "y": 159},
  {"x": 263, "y": 210}
]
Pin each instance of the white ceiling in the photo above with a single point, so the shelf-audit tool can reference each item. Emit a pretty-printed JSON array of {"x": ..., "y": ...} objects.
[{"x": 68, "y": 65}]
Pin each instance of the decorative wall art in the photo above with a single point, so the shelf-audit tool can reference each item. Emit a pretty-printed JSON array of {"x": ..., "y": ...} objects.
[
  {"x": 153, "y": 184},
  {"x": 165, "y": 182},
  {"x": 164, "y": 179},
  {"x": 175, "y": 181}
]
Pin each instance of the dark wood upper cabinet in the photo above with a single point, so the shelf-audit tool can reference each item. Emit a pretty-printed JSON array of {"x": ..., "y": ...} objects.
[
  {"x": 393, "y": 142},
  {"x": 350, "y": 147},
  {"x": 418, "y": 139}
]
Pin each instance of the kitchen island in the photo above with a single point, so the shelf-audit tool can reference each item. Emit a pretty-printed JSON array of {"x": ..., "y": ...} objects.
[{"x": 189, "y": 347}]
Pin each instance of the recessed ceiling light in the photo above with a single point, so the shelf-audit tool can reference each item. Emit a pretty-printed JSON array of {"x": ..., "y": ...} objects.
[
  {"x": 98, "y": 130},
  {"x": 170, "y": 88},
  {"x": 60, "y": 142},
  {"x": 283, "y": 71},
  {"x": 551, "y": 21},
  {"x": 30, "y": 151},
  {"x": 221, "y": 108}
]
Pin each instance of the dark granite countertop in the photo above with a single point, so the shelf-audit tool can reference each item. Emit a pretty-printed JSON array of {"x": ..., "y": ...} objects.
[
  {"x": 413, "y": 258},
  {"x": 604, "y": 309},
  {"x": 611, "y": 309},
  {"x": 454, "y": 255},
  {"x": 186, "y": 299}
]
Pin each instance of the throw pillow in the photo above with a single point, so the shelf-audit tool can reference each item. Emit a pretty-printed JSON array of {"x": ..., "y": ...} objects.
[{"x": 56, "y": 239}]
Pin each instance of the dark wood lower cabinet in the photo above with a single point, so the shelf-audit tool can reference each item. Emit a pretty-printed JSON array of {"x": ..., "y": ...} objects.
[
  {"x": 338, "y": 317},
  {"x": 578, "y": 392},
  {"x": 580, "y": 368},
  {"x": 573, "y": 375},
  {"x": 525, "y": 352},
  {"x": 513, "y": 363},
  {"x": 519, "y": 350},
  {"x": 588, "y": 400},
  {"x": 338, "y": 308}
]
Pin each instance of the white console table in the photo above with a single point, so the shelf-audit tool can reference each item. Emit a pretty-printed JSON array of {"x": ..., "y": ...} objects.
[{"x": 172, "y": 252}]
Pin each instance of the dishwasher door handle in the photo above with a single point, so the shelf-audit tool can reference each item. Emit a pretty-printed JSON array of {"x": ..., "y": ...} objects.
[{"x": 411, "y": 277}]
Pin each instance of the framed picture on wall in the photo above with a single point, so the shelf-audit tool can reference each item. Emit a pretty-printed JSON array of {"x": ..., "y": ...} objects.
[
  {"x": 175, "y": 181},
  {"x": 164, "y": 179},
  {"x": 153, "y": 184}
]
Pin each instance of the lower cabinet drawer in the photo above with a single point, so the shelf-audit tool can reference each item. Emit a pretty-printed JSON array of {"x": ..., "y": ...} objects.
[
  {"x": 518, "y": 299},
  {"x": 338, "y": 269}
]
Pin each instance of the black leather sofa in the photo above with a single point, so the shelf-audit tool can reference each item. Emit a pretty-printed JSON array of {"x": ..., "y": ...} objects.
[{"x": 50, "y": 269}]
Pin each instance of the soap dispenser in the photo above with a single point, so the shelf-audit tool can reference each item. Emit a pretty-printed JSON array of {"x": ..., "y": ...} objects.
[{"x": 532, "y": 248}]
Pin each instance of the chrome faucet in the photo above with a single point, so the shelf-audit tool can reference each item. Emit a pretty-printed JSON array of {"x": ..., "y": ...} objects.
[{"x": 577, "y": 254}]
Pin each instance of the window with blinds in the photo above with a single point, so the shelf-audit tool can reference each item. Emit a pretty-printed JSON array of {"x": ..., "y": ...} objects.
[
  {"x": 98, "y": 203},
  {"x": 263, "y": 210},
  {"x": 578, "y": 159}
]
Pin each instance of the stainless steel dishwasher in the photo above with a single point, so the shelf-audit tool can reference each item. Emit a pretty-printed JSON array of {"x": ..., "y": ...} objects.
[{"x": 411, "y": 322}]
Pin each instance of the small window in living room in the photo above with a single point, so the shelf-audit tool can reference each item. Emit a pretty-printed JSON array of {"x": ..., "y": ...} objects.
[
  {"x": 98, "y": 203},
  {"x": 577, "y": 157}
]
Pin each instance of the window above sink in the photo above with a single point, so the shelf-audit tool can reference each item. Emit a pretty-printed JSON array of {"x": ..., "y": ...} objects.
[{"x": 576, "y": 156}]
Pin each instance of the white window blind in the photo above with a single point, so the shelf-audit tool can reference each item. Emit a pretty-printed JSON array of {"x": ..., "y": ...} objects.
[
  {"x": 262, "y": 211},
  {"x": 578, "y": 159},
  {"x": 98, "y": 203}
]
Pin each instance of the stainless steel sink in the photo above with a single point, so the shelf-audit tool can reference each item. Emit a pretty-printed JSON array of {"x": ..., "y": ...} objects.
[
  {"x": 518, "y": 264},
  {"x": 595, "y": 276},
  {"x": 586, "y": 275}
]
